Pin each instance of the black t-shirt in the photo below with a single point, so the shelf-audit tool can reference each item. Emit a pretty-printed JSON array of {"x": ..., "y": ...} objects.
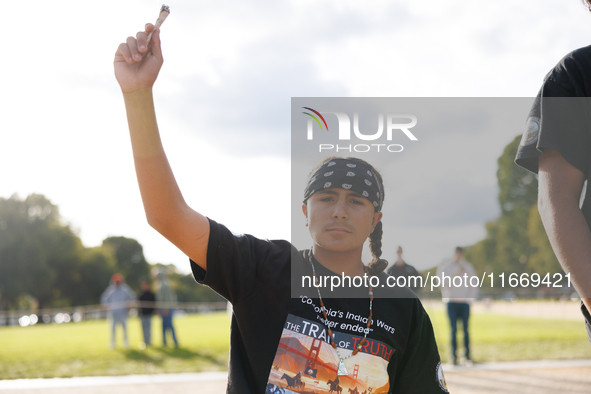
[
  {"x": 405, "y": 270},
  {"x": 560, "y": 119},
  {"x": 278, "y": 341},
  {"x": 147, "y": 296}
]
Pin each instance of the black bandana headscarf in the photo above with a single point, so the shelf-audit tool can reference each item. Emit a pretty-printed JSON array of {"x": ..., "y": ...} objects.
[{"x": 347, "y": 174}]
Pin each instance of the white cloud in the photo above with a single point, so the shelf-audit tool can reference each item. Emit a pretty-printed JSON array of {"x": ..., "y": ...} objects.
[{"x": 224, "y": 93}]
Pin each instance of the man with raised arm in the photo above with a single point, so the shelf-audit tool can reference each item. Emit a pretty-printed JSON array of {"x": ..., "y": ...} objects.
[
  {"x": 378, "y": 338},
  {"x": 136, "y": 70},
  {"x": 557, "y": 146}
]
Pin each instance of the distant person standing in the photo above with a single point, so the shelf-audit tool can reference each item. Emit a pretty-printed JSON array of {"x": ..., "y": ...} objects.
[
  {"x": 458, "y": 298},
  {"x": 117, "y": 298},
  {"x": 402, "y": 269},
  {"x": 147, "y": 305},
  {"x": 166, "y": 302}
]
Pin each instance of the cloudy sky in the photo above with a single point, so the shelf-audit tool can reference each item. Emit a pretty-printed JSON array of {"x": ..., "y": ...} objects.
[{"x": 223, "y": 99}]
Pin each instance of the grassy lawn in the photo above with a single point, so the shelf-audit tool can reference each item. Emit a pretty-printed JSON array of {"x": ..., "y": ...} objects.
[
  {"x": 508, "y": 338},
  {"x": 81, "y": 349}
]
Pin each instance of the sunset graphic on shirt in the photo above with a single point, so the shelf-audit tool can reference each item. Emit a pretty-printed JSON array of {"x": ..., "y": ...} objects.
[{"x": 306, "y": 363}]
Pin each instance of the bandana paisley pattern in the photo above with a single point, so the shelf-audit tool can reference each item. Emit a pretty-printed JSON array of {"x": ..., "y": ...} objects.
[{"x": 347, "y": 174}]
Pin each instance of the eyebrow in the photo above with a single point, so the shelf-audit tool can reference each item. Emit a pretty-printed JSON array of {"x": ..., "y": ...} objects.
[{"x": 350, "y": 193}]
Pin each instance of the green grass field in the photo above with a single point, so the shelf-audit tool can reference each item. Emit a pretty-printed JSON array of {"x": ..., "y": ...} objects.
[
  {"x": 81, "y": 349},
  {"x": 508, "y": 338}
]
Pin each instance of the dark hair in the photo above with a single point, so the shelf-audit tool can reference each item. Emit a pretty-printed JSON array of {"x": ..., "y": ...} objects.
[
  {"x": 378, "y": 264},
  {"x": 587, "y": 4},
  {"x": 459, "y": 249}
]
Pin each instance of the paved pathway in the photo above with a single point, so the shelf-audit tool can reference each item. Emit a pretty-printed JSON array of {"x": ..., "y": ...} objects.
[
  {"x": 203, "y": 383},
  {"x": 524, "y": 377},
  {"x": 563, "y": 309}
]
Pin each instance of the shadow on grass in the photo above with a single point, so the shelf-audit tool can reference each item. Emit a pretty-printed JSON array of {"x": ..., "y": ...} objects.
[
  {"x": 137, "y": 355},
  {"x": 179, "y": 353},
  {"x": 187, "y": 354}
]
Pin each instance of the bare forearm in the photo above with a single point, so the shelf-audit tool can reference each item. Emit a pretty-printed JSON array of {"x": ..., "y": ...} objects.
[
  {"x": 136, "y": 68},
  {"x": 143, "y": 128},
  {"x": 158, "y": 187},
  {"x": 560, "y": 186},
  {"x": 570, "y": 238}
]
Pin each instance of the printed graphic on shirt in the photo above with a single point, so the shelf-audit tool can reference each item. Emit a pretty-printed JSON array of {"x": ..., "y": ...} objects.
[
  {"x": 530, "y": 136},
  {"x": 305, "y": 362},
  {"x": 441, "y": 378}
]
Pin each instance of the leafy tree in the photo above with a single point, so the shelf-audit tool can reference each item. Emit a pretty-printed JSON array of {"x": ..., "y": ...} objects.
[
  {"x": 187, "y": 290},
  {"x": 35, "y": 249},
  {"x": 481, "y": 253},
  {"x": 507, "y": 246},
  {"x": 518, "y": 187},
  {"x": 41, "y": 257},
  {"x": 516, "y": 241},
  {"x": 542, "y": 258},
  {"x": 92, "y": 278},
  {"x": 130, "y": 260},
  {"x": 518, "y": 192}
]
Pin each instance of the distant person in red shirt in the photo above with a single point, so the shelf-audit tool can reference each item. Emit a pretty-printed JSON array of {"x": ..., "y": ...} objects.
[{"x": 117, "y": 298}]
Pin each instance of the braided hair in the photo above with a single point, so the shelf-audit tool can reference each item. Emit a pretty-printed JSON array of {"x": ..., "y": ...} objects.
[{"x": 378, "y": 264}]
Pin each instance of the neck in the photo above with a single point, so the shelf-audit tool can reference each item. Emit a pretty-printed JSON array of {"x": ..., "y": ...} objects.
[
  {"x": 347, "y": 263},
  {"x": 399, "y": 262}
]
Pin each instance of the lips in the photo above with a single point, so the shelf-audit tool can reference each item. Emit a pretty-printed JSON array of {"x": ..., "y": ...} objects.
[{"x": 339, "y": 229}]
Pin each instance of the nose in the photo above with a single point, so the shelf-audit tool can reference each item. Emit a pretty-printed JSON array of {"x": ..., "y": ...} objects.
[{"x": 340, "y": 209}]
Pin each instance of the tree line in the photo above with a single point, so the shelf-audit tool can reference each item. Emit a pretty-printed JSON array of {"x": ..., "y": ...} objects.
[
  {"x": 43, "y": 263},
  {"x": 516, "y": 241}
]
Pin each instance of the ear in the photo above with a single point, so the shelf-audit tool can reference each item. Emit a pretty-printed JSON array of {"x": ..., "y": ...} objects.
[
  {"x": 305, "y": 210},
  {"x": 376, "y": 219}
]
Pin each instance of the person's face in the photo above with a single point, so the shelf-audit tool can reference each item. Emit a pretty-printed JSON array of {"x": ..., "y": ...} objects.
[
  {"x": 145, "y": 286},
  {"x": 399, "y": 251},
  {"x": 340, "y": 220}
]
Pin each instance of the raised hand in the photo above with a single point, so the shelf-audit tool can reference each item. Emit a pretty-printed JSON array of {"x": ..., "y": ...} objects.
[{"x": 137, "y": 63}]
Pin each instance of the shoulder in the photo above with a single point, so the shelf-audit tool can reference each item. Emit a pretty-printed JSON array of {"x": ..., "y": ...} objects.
[
  {"x": 221, "y": 236},
  {"x": 238, "y": 263},
  {"x": 227, "y": 247},
  {"x": 571, "y": 75},
  {"x": 443, "y": 265},
  {"x": 108, "y": 290},
  {"x": 411, "y": 269},
  {"x": 468, "y": 264},
  {"x": 576, "y": 58}
]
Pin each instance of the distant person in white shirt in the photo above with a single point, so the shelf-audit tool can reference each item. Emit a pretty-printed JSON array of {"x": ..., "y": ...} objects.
[
  {"x": 458, "y": 298},
  {"x": 117, "y": 299},
  {"x": 166, "y": 301}
]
